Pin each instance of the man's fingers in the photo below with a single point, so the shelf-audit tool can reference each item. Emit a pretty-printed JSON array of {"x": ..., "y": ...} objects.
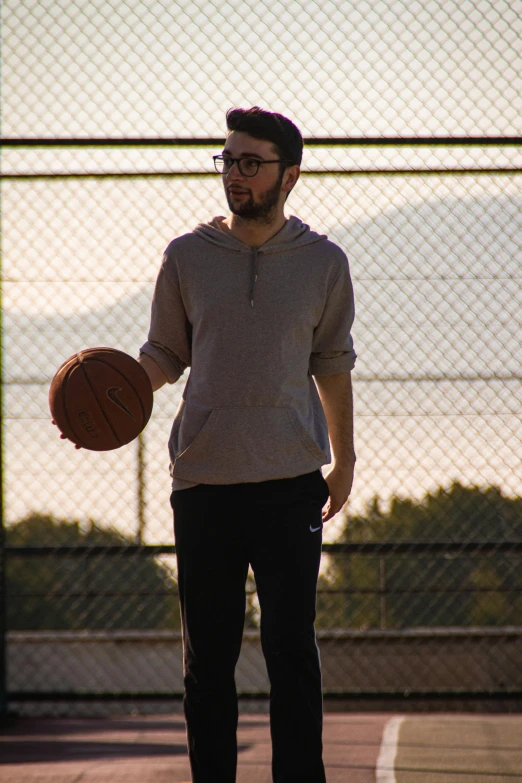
[
  {"x": 331, "y": 511},
  {"x": 64, "y": 437},
  {"x": 327, "y": 514}
]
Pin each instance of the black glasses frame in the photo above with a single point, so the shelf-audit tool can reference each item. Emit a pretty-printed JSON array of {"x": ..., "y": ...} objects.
[{"x": 220, "y": 159}]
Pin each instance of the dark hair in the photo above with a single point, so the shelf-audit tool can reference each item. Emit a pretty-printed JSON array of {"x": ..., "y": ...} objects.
[{"x": 269, "y": 126}]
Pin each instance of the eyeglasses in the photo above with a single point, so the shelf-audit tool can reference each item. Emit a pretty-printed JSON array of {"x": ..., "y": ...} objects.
[{"x": 248, "y": 167}]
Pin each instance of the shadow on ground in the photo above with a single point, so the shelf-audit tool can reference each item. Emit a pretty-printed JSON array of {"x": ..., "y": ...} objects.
[{"x": 29, "y": 741}]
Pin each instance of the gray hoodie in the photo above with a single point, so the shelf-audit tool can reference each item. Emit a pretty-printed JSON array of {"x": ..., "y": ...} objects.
[{"x": 254, "y": 325}]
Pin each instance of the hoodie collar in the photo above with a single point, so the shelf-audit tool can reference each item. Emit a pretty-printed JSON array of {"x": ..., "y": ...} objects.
[{"x": 293, "y": 234}]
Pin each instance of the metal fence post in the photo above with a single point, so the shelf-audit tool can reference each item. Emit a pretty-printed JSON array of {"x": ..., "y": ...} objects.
[
  {"x": 382, "y": 591},
  {"x": 3, "y": 602},
  {"x": 141, "y": 490},
  {"x": 3, "y": 621}
]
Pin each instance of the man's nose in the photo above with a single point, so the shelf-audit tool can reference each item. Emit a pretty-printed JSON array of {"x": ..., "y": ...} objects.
[{"x": 234, "y": 172}]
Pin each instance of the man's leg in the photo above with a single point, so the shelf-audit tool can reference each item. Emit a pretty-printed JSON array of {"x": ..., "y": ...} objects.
[
  {"x": 285, "y": 552},
  {"x": 212, "y": 571}
]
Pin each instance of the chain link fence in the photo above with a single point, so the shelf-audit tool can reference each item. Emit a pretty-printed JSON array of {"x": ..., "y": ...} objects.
[{"x": 420, "y": 588}]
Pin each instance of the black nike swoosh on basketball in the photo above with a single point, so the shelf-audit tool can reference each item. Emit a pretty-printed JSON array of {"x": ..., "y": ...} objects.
[{"x": 111, "y": 394}]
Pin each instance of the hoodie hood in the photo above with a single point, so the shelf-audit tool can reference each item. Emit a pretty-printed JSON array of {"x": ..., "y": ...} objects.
[{"x": 293, "y": 235}]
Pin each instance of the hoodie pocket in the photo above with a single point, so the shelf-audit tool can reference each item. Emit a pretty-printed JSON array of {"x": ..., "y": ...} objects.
[{"x": 256, "y": 443}]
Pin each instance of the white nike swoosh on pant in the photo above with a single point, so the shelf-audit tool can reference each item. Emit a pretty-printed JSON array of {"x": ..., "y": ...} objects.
[{"x": 313, "y": 529}]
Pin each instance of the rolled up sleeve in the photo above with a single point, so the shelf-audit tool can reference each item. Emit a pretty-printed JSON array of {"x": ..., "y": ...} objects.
[
  {"x": 170, "y": 334},
  {"x": 332, "y": 346}
]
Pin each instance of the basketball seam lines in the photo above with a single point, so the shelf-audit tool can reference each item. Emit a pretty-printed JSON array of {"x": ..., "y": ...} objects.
[
  {"x": 62, "y": 392},
  {"x": 96, "y": 398},
  {"x": 138, "y": 397}
]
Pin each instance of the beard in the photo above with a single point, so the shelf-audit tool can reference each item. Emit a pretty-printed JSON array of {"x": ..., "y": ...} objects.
[{"x": 261, "y": 210}]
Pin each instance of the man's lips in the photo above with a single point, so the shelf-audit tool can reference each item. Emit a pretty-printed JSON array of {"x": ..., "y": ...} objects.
[{"x": 237, "y": 192}]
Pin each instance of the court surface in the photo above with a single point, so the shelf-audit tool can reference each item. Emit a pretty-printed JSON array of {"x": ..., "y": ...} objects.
[{"x": 358, "y": 748}]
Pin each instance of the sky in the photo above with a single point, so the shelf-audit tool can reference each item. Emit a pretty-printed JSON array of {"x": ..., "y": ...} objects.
[
  {"x": 435, "y": 259},
  {"x": 93, "y": 68}
]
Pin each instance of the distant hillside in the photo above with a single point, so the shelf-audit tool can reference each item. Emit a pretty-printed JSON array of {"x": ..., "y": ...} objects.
[{"x": 437, "y": 289}]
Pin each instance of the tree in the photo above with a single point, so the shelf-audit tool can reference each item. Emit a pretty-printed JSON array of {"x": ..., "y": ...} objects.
[
  {"x": 431, "y": 589},
  {"x": 69, "y": 592}
]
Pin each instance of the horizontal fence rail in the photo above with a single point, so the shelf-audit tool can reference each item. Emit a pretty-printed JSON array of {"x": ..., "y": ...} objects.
[
  {"x": 309, "y": 141},
  {"x": 352, "y": 547}
]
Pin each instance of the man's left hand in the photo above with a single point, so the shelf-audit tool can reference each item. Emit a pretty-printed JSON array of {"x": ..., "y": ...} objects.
[{"x": 339, "y": 480}]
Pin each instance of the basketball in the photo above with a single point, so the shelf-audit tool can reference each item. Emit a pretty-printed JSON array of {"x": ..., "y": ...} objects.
[{"x": 101, "y": 399}]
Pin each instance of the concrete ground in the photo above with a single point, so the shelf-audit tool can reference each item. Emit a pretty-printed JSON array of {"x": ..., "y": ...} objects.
[
  {"x": 153, "y": 749},
  {"x": 460, "y": 749},
  {"x": 358, "y": 748}
]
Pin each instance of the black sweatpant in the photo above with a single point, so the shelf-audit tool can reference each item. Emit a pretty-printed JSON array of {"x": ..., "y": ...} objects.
[{"x": 275, "y": 526}]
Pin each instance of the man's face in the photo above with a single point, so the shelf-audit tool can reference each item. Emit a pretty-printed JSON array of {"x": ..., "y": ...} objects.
[{"x": 258, "y": 197}]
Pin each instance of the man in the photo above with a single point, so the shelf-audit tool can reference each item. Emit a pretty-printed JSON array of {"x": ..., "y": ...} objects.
[{"x": 256, "y": 304}]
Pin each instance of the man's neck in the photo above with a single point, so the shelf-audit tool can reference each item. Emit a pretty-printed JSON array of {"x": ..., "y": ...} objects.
[{"x": 251, "y": 232}]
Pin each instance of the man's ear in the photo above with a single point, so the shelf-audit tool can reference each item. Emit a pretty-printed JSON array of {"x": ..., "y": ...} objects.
[{"x": 290, "y": 177}]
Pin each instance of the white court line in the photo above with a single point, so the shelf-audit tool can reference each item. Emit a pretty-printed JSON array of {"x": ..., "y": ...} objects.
[{"x": 385, "y": 768}]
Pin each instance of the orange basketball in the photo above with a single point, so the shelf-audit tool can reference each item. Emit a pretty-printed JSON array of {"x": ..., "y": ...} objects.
[{"x": 101, "y": 398}]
